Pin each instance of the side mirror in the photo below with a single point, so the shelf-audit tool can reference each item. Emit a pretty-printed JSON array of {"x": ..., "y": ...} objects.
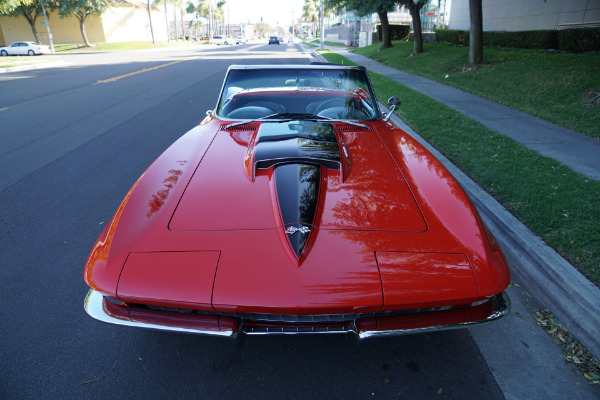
[{"x": 393, "y": 102}]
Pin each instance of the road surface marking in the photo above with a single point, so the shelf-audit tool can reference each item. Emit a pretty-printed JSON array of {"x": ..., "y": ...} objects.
[{"x": 143, "y": 70}]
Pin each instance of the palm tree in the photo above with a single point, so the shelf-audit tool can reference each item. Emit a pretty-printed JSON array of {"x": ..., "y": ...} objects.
[
  {"x": 164, "y": 2},
  {"x": 310, "y": 13}
]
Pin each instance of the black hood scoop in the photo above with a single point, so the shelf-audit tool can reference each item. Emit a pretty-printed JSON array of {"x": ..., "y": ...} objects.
[
  {"x": 297, "y": 151},
  {"x": 303, "y": 142}
]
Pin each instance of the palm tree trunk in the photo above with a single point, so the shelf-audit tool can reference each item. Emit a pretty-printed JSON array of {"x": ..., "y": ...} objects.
[
  {"x": 167, "y": 22},
  {"x": 150, "y": 19}
]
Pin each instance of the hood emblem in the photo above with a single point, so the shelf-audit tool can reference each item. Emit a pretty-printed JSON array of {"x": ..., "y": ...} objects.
[{"x": 292, "y": 229}]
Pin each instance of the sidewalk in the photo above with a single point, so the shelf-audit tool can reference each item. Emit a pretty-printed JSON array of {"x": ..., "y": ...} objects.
[
  {"x": 555, "y": 283},
  {"x": 581, "y": 153}
]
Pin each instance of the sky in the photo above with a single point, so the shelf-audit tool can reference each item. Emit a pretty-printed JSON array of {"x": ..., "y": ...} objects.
[{"x": 273, "y": 12}]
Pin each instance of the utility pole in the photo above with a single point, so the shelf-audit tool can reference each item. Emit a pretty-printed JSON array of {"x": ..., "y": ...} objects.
[
  {"x": 321, "y": 24},
  {"x": 47, "y": 27},
  {"x": 210, "y": 27}
]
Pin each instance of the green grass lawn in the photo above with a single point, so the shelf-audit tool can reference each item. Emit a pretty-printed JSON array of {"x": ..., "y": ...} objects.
[
  {"x": 15, "y": 61},
  {"x": 553, "y": 87},
  {"x": 118, "y": 46},
  {"x": 557, "y": 204}
]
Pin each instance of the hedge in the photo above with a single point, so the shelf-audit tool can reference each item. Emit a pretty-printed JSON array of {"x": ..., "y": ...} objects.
[
  {"x": 397, "y": 32},
  {"x": 572, "y": 40},
  {"x": 579, "y": 40}
]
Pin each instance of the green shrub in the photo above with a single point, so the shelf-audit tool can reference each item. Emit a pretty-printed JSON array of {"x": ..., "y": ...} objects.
[
  {"x": 572, "y": 40},
  {"x": 397, "y": 32},
  {"x": 541, "y": 39},
  {"x": 579, "y": 40},
  {"x": 453, "y": 36}
]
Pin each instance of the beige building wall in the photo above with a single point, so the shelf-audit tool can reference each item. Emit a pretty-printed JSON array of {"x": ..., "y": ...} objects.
[
  {"x": 131, "y": 24},
  {"x": 67, "y": 30},
  {"x": 118, "y": 24},
  {"x": 523, "y": 15}
]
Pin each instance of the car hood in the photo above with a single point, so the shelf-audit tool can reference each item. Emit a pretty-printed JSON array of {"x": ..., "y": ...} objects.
[{"x": 251, "y": 178}]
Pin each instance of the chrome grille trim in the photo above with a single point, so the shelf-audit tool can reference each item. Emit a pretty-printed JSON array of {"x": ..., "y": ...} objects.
[
  {"x": 306, "y": 319},
  {"x": 253, "y": 330}
]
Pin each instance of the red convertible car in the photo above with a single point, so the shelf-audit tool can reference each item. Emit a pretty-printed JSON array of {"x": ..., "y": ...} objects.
[{"x": 295, "y": 207}]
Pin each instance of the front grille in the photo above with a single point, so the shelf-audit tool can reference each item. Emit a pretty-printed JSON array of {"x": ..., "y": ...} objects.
[
  {"x": 304, "y": 319},
  {"x": 297, "y": 329}
]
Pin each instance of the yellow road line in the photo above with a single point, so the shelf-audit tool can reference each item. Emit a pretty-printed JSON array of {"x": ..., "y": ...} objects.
[
  {"x": 143, "y": 70},
  {"x": 5, "y": 108}
]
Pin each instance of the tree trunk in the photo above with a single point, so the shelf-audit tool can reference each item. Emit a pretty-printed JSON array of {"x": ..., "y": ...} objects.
[
  {"x": 31, "y": 20},
  {"x": 415, "y": 10},
  {"x": 167, "y": 22},
  {"x": 150, "y": 19},
  {"x": 175, "y": 23},
  {"x": 81, "y": 18},
  {"x": 182, "y": 24},
  {"x": 476, "y": 34},
  {"x": 386, "y": 41}
]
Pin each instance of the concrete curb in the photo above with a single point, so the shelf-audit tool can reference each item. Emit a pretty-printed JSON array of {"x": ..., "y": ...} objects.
[
  {"x": 33, "y": 66},
  {"x": 562, "y": 289}
]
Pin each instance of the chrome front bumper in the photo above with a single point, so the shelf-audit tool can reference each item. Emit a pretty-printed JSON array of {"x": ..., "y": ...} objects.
[{"x": 99, "y": 308}]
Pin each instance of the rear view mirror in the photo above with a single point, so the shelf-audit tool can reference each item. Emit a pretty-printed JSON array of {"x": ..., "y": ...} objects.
[{"x": 393, "y": 102}]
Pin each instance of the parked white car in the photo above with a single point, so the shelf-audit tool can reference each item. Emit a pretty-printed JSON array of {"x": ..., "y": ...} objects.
[
  {"x": 241, "y": 40},
  {"x": 222, "y": 40},
  {"x": 24, "y": 48}
]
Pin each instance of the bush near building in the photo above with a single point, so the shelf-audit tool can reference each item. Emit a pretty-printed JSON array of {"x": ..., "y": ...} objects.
[
  {"x": 397, "y": 32},
  {"x": 581, "y": 40}
]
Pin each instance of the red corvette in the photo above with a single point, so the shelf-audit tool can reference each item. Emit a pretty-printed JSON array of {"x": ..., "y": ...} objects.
[{"x": 294, "y": 207}]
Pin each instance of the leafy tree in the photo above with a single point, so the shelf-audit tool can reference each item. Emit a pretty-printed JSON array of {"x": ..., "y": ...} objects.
[
  {"x": 164, "y": 3},
  {"x": 7, "y": 6},
  {"x": 310, "y": 13},
  {"x": 81, "y": 9},
  {"x": 207, "y": 7},
  {"x": 31, "y": 10},
  {"x": 382, "y": 7},
  {"x": 366, "y": 7},
  {"x": 262, "y": 28},
  {"x": 173, "y": 3}
]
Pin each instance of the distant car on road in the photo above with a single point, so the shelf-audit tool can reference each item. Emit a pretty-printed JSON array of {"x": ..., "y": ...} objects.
[
  {"x": 273, "y": 40},
  {"x": 222, "y": 40},
  {"x": 290, "y": 39},
  {"x": 241, "y": 40},
  {"x": 24, "y": 48}
]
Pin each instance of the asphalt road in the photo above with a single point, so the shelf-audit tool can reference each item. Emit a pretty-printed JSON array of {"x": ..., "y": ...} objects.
[{"x": 72, "y": 142}]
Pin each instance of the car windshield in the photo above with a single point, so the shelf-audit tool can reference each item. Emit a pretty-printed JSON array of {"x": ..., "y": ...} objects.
[{"x": 280, "y": 93}]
